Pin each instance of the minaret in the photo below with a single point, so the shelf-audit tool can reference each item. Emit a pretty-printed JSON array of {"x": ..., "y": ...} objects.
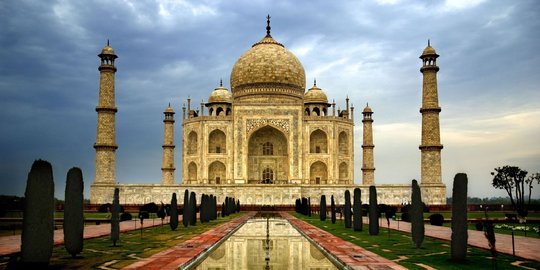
[
  {"x": 430, "y": 146},
  {"x": 167, "y": 168},
  {"x": 106, "y": 109},
  {"x": 368, "y": 169}
]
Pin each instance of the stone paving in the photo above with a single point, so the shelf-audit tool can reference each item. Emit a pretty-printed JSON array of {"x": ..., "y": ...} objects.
[
  {"x": 525, "y": 247},
  {"x": 349, "y": 254},
  {"x": 180, "y": 255},
  {"x": 12, "y": 243}
]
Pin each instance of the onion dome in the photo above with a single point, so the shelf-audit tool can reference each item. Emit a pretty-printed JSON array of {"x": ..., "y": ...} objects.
[
  {"x": 315, "y": 95},
  {"x": 220, "y": 95},
  {"x": 367, "y": 109},
  {"x": 107, "y": 50},
  {"x": 429, "y": 51},
  {"x": 268, "y": 68},
  {"x": 169, "y": 109}
]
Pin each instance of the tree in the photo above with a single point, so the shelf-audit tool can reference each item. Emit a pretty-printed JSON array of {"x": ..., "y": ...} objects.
[
  {"x": 115, "y": 217},
  {"x": 417, "y": 215},
  {"x": 193, "y": 209},
  {"x": 73, "y": 212},
  {"x": 185, "y": 212},
  {"x": 38, "y": 218},
  {"x": 332, "y": 210},
  {"x": 373, "y": 211},
  {"x": 516, "y": 183},
  {"x": 174, "y": 212},
  {"x": 322, "y": 208},
  {"x": 347, "y": 209},
  {"x": 458, "y": 244},
  {"x": 357, "y": 210}
]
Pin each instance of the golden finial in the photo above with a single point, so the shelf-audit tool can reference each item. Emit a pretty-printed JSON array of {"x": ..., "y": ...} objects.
[{"x": 268, "y": 25}]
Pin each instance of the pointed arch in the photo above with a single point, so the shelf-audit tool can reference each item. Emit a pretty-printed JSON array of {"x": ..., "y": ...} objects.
[
  {"x": 318, "y": 173},
  {"x": 267, "y": 148},
  {"x": 318, "y": 142},
  {"x": 343, "y": 141},
  {"x": 192, "y": 173},
  {"x": 216, "y": 173},
  {"x": 217, "y": 142},
  {"x": 343, "y": 171},
  {"x": 192, "y": 143}
]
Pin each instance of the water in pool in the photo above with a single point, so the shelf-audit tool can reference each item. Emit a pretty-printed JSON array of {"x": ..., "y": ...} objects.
[{"x": 266, "y": 243}]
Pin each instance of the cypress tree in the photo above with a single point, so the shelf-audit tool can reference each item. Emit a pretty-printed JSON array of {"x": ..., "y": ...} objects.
[
  {"x": 73, "y": 212},
  {"x": 238, "y": 206},
  {"x": 193, "y": 209},
  {"x": 373, "y": 212},
  {"x": 223, "y": 209},
  {"x": 347, "y": 209},
  {"x": 115, "y": 217},
  {"x": 322, "y": 210},
  {"x": 185, "y": 211},
  {"x": 332, "y": 210},
  {"x": 417, "y": 215},
  {"x": 38, "y": 219},
  {"x": 309, "y": 206},
  {"x": 214, "y": 207},
  {"x": 459, "y": 218},
  {"x": 357, "y": 210},
  {"x": 174, "y": 212}
]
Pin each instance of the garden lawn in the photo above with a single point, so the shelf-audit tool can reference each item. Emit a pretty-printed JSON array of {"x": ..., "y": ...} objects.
[
  {"x": 397, "y": 246},
  {"x": 130, "y": 248}
]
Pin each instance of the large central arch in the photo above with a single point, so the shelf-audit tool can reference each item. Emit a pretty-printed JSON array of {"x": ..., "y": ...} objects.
[{"x": 268, "y": 151}]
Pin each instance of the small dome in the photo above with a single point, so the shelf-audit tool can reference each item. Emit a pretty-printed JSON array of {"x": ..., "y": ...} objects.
[
  {"x": 367, "y": 109},
  {"x": 169, "y": 109},
  {"x": 107, "y": 50},
  {"x": 220, "y": 95},
  {"x": 315, "y": 95},
  {"x": 429, "y": 50}
]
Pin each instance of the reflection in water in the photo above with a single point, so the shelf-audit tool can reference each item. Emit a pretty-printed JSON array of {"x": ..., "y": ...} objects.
[{"x": 255, "y": 247}]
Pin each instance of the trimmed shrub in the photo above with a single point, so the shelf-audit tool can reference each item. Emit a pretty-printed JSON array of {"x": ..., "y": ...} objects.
[
  {"x": 357, "y": 210},
  {"x": 459, "y": 237},
  {"x": 322, "y": 208},
  {"x": 185, "y": 211},
  {"x": 332, "y": 210},
  {"x": 417, "y": 215},
  {"x": 150, "y": 208},
  {"x": 373, "y": 212},
  {"x": 115, "y": 217},
  {"x": 223, "y": 209},
  {"x": 436, "y": 219},
  {"x": 126, "y": 216},
  {"x": 73, "y": 212},
  {"x": 406, "y": 217},
  {"x": 238, "y": 206},
  {"x": 105, "y": 208},
  {"x": 162, "y": 212},
  {"x": 174, "y": 213},
  {"x": 347, "y": 209},
  {"x": 193, "y": 209},
  {"x": 38, "y": 218}
]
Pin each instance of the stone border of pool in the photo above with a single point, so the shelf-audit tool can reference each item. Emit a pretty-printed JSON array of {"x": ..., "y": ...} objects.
[
  {"x": 349, "y": 255},
  {"x": 343, "y": 254},
  {"x": 193, "y": 250}
]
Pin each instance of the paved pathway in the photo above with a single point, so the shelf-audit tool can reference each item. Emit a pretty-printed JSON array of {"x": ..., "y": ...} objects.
[
  {"x": 12, "y": 244},
  {"x": 526, "y": 247},
  {"x": 185, "y": 253},
  {"x": 347, "y": 253}
]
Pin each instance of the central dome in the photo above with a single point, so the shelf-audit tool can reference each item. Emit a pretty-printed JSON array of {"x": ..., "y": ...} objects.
[{"x": 268, "y": 68}]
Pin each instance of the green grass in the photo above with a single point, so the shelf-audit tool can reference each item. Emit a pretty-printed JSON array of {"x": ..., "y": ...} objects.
[
  {"x": 130, "y": 248},
  {"x": 395, "y": 245}
]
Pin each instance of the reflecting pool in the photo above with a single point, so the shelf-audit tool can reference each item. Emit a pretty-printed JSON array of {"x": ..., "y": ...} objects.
[{"x": 266, "y": 243}]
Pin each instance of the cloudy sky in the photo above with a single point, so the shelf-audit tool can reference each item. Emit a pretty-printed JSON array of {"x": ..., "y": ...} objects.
[{"x": 168, "y": 50}]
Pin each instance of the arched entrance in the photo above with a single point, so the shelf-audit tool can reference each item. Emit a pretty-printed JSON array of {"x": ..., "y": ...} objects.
[{"x": 268, "y": 156}]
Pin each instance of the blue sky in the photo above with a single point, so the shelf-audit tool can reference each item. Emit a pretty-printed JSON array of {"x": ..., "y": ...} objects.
[{"x": 368, "y": 50}]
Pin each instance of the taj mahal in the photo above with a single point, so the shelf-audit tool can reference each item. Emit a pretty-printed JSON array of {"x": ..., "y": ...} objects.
[{"x": 268, "y": 140}]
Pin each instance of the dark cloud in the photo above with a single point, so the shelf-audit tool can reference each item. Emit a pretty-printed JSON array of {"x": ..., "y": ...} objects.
[{"x": 169, "y": 50}]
